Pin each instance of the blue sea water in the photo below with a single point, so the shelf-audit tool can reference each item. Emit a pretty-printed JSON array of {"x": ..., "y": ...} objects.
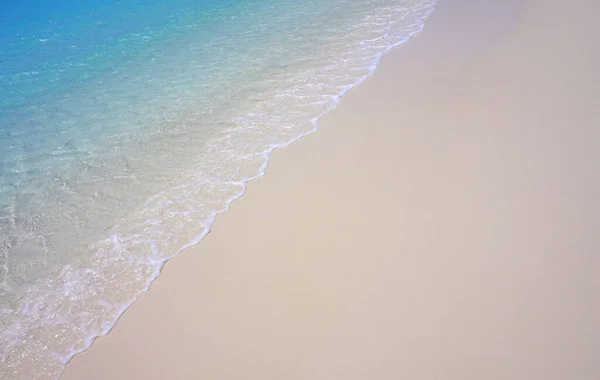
[{"x": 127, "y": 126}]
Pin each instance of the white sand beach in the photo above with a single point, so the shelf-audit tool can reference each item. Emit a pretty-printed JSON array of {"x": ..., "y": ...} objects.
[{"x": 443, "y": 223}]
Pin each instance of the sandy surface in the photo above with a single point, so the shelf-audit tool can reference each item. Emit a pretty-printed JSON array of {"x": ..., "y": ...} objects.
[{"x": 444, "y": 223}]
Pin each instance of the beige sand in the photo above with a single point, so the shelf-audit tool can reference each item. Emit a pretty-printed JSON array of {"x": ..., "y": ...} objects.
[{"x": 443, "y": 224}]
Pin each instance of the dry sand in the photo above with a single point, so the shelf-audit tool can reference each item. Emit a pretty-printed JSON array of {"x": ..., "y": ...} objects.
[{"x": 444, "y": 223}]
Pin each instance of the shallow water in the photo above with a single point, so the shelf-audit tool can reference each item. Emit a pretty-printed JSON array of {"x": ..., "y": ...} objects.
[{"x": 126, "y": 127}]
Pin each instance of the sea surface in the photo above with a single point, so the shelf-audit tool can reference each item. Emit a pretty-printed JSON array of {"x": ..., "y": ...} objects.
[{"x": 127, "y": 126}]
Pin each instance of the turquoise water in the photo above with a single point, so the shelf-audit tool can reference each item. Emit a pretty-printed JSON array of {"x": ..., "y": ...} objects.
[{"x": 126, "y": 127}]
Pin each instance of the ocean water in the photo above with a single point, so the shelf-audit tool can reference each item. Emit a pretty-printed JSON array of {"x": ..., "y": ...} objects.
[{"x": 127, "y": 126}]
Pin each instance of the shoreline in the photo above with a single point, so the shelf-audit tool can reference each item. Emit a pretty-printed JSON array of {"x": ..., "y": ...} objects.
[
  {"x": 181, "y": 321},
  {"x": 247, "y": 181},
  {"x": 106, "y": 328}
]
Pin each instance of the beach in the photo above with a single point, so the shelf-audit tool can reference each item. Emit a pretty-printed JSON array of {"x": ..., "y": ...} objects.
[{"x": 442, "y": 223}]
